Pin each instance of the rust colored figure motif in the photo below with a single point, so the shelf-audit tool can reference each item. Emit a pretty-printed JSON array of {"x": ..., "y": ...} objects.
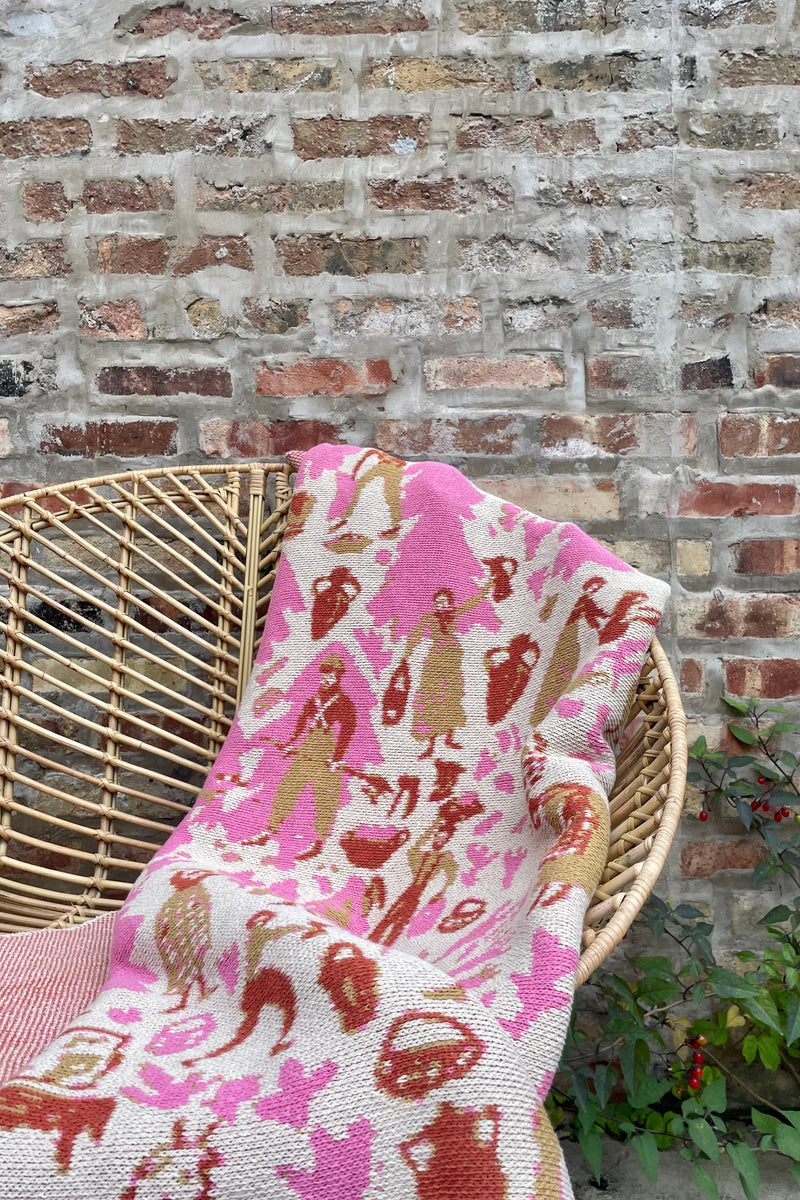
[
  {"x": 333, "y": 594},
  {"x": 438, "y": 704},
  {"x": 502, "y": 571},
  {"x": 300, "y": 508},
  {"x": 390, "y": 471},
  {"x": 509, "y": 669},
  {"x": 455, "y": 1157},
  {"x": 579, "y": 815},
  {"x": 351, "y": 980},
  {"x": 465, "y": 913},
  {"x": 25, "y": 1107},
  {"x": 395, "y": 698},
  {"x": 183, "y": 936},
  {"x": 423, "y": 1051},
  {"x": 561, "y": 673}
]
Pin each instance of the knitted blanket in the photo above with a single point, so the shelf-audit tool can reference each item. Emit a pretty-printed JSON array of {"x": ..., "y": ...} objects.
[{"x": 348, "y": 973}]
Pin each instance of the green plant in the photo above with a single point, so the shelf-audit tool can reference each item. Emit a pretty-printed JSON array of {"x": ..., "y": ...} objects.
[{"x": 653, "y": 1068}]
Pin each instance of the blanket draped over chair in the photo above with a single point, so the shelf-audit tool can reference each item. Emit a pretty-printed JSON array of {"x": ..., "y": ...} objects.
[{"x": 348, "y": 973}]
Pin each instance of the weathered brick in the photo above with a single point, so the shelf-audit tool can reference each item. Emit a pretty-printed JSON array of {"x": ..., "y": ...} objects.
[
  {"x": 540, "y": 314},
  {"x": 421, "y": 317},
  {"x": 496, "y": 435},
  {"x": 608, "y": 255},
  {"x": 271, "y": 197},
  {"x": 333, "y": 138},
  {"x": 207, "y": 318},
  {"x": 766, "y": 556},
  {"x": 235, "y": 138},
  {"x": 770, "y": 679},
  {"x": 120, "y": 255},
  {"x": 614, "y": 314},
  {"x": 344, "y": 17},
  {"x": 693, "y": 558},
  {"x": 777, "y": 313},
  {"x": 164, "y": 381},
  {"x": 45, "y": 202},
  {"x": 732, "y": 131},
  {"x": 315, "y": 254},
  {"x": 507, "y": 256},
  {"x": 269, "y": 75},
  {"x": 649, "y": 556},
  {"x": 700, "y": 860},
  {"x": 441, "y": 74},
  {"x": 127, "y": 195},
  {"x": 325, "y": 377},
  {"x": 34, "y": 260},
  {"x": 707, "y": 375},
  {"x": 751, "y": 257},
  {"x": 451, "y": 195},
  {"x": 610, "y": 72},
  {"x": 115, "y": 320},
  {"x": 135, "y": 438},
  {"x": 222, "y": 438},
  {"x": 28, "y": 318},
  {"x": 136, "y": 77},
  {"x": 725, "y": 498},
  {"x": 41, "y": 137},
  {"x": 511, "y": 374},
  {"x": 623, "y": 373},
  {"x": 215, "y": 252},
  {"x": 497, "y": 16},
  {"x": 16, "y": 377},
  {"x": 692, "y": 676},
  {"x": 558, "y": 497},
  {"x": 720, "y": 14},
  {"x": 781, "y": 371},
  {"x": 759, "y": 435},
  {"x": 623, "y": 434},
  {"x": 761, "y": 616},
  {"x": 768, "y": 190},
  {"x": 527, "y": 135},
  {"x": 758, "y": 68},
  {"x": 706, "y": 312},
  {"x": 647, "y": 132},
  {"x": 208, "y": 24},
  {"x": 276, "y": 316}
]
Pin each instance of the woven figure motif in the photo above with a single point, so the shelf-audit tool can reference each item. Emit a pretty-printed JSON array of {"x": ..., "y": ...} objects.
[{"x": 348, "y": 974}]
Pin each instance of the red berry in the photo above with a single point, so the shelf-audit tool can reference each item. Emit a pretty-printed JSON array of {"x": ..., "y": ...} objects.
[
  {"x": 694, "y": 1084},
  {"x": 786, "y": 812},
  {"x": 695, "y": 1043},
  {"x": 778, "y": 818},
  {"x": 755, "y": 805},
  {"x": 697, "y": 1057},
  {"x": 703, "y": 816},
  {"x": 762, "y": 779}
]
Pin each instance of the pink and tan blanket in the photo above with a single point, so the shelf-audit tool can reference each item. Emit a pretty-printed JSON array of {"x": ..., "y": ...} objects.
[{"x": 348, "y": 973}]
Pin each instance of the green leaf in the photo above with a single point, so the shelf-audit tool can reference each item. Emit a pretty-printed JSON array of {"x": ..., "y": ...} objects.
[
  {"x": 740, "y": 706},
  {"x": 746, "y": 1163},
  {"x": 792, "y": 1018},
  {"x": 792, "y": 1116},
  {"x": 706, "y": 1184},
  {"x": 604, "y": 1080},
  {"x": 729, "y": 985},
  {"x": 647, "y": 1154},
  {"x": 750, "y": 1048},
  {"x": 765, "y": 1012},
  {"x": 783, "y": 727},
  {"x": 700, "y": 747},
  {"x": 650, "y": 1091},
  {"x": 634, "y": 1058},
  {"x": 787, "y": 1141},
  {"x": 591, "y": 1144},
  {"x": 742, "y": 734},
  {"x": 764, "y": 1122},
  {"x": 796, "y": 1173},
  {"x": 715, "y": 1095},
  {"x": 768, "y": 1052},
  {"x": 781, "y": 912},
  {"x": 704, "y": 1138}
]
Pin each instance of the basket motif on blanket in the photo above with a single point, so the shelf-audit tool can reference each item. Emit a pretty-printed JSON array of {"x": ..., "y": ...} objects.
[{"x": 348, "y": 973}]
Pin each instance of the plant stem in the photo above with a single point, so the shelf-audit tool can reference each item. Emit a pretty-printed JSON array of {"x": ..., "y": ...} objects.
[{"x": 726, "y": 1070}]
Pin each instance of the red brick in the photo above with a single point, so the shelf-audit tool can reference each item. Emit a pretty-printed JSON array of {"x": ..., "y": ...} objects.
[
  {"x": 646, "y": 133},
  {"x": 558, "y": 497},
  {"x": 759, "y": 435},
  {"x": 692, "y": 676},
  {"x": 613, "y": 314},
  {"x": 42, "y": 137},
  {"x": 758, "y": 68},
  {"x": 527, "y": 135},
  {"x": 316, "y": 254},
  {"x": 332, "y": 20},
  {"x": 215, "y": 252},
  {"x": 770, "y": 190},
  {"x": 706, "y": 375},
  {"x": 701, "y": 859},
  {"x": 124, "y": 439},
  {"x": 46, "y": 202},
  {"x": 782, "y": 371},
  {"x": 724, "y": 498},
  {"x": 767, "y": 556},
  {"x": 272, "y": 197},
  {"x": 164, "y": 381},
  {"x": 431, "y": 195},
  {"x": 127, "y": 195},
  {"x": 269, "y": 75},
  {"x": 116, "y": 320},
  {"x": 236, "y": 138},
  {"x": 28, "y": 318},
  {"x": 208, "y": 24},
  {"x": 492, "y": 435},
  {"x": 584, "y": 436},
  {"x": 222, "y": 438},
  {"x": 119, "y": 255},
  {"x": 623, "y": 373},
  {"x": 759, "y": 616},
  {"x": 332, "y": 138},
  {"x": 136, "y": 77},
  {"x": 34, "y": 260},
  {"x": 325, "y": 377},
  {"x": 769, "y": 679},
  {"x": 510, "y": 374}
]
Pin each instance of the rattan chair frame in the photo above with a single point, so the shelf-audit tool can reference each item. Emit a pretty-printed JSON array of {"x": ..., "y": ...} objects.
[{"x": 132, "y": 607}]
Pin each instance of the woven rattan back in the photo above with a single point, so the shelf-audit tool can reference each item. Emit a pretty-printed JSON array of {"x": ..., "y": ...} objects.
[{"x": 132, "y": 606}]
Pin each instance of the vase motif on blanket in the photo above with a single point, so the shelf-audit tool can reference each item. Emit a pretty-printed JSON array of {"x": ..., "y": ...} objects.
[{"x": 348, "y": 973}]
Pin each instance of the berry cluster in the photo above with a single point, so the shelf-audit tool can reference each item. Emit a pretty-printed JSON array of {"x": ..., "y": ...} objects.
[{"x": 694, "y": 1077}]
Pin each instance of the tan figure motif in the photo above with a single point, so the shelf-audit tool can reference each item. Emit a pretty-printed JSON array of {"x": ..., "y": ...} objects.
[
  {"x": 580, "y": 818},
  {"x": 566, "y": 656},
  {"x": 438, "y": 707},
  {"x": 317, "y": 755},
  {"x": 183, "y": 936},
  {"x": 384, "y": 467}
]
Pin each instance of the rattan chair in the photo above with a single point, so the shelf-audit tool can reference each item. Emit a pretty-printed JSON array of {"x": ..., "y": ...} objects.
[{"x": 132, "y": 607}]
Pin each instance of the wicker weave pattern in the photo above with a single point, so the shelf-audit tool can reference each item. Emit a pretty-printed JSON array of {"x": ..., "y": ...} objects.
[{"x": 132, "y": 607}]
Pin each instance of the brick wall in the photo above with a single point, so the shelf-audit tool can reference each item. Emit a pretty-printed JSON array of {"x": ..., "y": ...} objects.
[{"x": 553, "y": 242}]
